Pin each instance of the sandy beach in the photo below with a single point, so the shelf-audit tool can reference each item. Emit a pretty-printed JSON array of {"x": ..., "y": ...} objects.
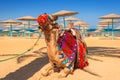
[
  {"x": 23, "y": 55},
  {"x": 103, "y": 57}
]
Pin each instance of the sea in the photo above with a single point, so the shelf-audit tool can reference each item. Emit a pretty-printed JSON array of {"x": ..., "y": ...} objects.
[{"x": 88, "y": 31}]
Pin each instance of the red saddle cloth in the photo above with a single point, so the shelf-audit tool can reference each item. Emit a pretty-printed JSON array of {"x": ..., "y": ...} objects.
[{"x": 69, "y": 45}]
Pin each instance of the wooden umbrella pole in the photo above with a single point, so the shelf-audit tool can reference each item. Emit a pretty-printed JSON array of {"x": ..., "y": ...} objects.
[
  {"x": 10, "y": 31},
  {"x": 24, "y": 31},
  {"x": 83, "y": 31},
  {"x": 29, "y": 29},
  {"x": 112, "y": 30},
  {"x": 108, "y": 30},
  {"x": 64, "y": 22}
]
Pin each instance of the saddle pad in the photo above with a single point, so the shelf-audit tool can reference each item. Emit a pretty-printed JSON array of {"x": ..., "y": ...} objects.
[{"x": 68, "y": 44}]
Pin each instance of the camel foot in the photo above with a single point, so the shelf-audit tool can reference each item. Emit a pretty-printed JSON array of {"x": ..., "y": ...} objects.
[
  {"x": 46, "y": 70},
  {"x": 44, "y": 73},
  {"x": 64, "y": 73}
]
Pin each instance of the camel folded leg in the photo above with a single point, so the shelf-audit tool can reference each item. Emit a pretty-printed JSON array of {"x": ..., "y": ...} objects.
[
  {"x": 66, "y": 71},
  {"x": 47, "y": 69},
  {"x": 63, "y": 73}
]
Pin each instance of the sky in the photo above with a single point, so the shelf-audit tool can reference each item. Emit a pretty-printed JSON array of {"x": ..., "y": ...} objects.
[{"x": 89, "y": 10}]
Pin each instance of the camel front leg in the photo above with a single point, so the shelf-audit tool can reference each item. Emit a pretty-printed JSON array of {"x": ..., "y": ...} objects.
[
  {"x": 63, "y": 73},
  {"x": 47, "y": 69},
  {"x": 66, "y": 71}
]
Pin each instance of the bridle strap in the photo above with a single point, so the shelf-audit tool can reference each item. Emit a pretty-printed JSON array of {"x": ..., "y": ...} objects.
[{"x": 46, "y": 27}]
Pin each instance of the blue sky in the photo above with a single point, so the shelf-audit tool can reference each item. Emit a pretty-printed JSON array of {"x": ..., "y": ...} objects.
[{"x": 89, "y": 10}]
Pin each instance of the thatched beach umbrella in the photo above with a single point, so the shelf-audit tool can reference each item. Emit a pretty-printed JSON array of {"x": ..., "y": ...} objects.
[
  {"x": 112, "y": 17},
  {"x": 100, "y": 27},
  {"x": 83, "y": 25},
  {"x": 64, "y": 13},
  {"x": 70, "y": 19},
  {"x": 36, "y": 28},
  {"x": 5, "y": 30},
  {"x": 8, "y": 28},
  {"x": 108, "y": 22},
  {"x": 24, "y": 27},
  {"x": 117, "y": 27},
  {"x": 28, "y": 18},
  {"x": 98, "y": 31},
  {"x": 10, "y": 23},
  {"x": 36, "y": 24}
]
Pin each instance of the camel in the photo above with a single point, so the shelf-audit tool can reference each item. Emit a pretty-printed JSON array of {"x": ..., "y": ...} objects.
[{"x": 60, "y": 62}]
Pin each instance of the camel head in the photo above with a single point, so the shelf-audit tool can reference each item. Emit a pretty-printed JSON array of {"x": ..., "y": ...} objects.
[{"x": 46, "y": 21}]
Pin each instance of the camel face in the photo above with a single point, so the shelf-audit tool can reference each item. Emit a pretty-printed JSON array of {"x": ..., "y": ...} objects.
[{"x": 46, "y": 22}]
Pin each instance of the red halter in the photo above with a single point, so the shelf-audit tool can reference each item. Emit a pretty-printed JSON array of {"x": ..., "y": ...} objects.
[{"x": 43, "y": 20}]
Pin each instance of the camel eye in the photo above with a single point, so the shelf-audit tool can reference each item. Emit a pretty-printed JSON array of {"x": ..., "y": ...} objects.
[{"x": 39, "y": 27}]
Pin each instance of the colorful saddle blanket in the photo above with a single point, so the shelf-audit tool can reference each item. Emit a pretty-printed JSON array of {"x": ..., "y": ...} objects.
[{"x": 74, "y": 49}]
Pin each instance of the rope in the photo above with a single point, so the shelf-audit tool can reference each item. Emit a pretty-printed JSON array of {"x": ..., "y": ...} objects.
[{"x": 19, "y": 55}]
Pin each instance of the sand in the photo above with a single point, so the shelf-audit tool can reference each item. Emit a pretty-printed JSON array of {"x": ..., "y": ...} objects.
[{"x": 104, "y": 59}]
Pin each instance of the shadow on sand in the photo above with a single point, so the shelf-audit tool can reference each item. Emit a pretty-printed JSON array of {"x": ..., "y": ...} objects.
[
  {"x": 104, "y": 51},
  {"x": 38, "y": 53},
  {"x": 28, "y": 70}
]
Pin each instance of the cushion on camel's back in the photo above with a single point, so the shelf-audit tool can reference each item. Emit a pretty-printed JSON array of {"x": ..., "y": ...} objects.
[
  {"x": 69, "y": 45},
  {"x": 82, "y": 55}
]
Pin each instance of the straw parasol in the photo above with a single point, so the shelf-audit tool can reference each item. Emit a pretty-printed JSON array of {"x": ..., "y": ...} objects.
[
  {"x": 5, "y": 30},
  {"x": 36, "y": 28},
  {"x": 81, "y": 24},
  {"x": 99, "y": 30},
  {"x": 10, "y": 23},
  {"x": 27, "y": 18},
  {"x": 64, "y": 13},
  {"x": 24, "y": 29},
  {"x": 112, "y": 17},
  {"x": 100, "y": 27},
  {"x": 70, "y": 19},
  {"x": 117, "y": 27},
  {"x": 36, "y": 24},
  {"x": 108, "y": 22}
]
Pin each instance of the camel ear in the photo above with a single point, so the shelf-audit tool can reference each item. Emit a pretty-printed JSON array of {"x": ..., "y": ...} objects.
[{"x": 55, "y": 17}]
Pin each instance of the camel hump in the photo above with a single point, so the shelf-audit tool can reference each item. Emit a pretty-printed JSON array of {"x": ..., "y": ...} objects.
[{"x": 74, "y": 32}]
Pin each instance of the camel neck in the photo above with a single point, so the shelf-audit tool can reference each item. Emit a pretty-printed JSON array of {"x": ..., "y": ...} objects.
[{"x": 51, "y": 42}]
